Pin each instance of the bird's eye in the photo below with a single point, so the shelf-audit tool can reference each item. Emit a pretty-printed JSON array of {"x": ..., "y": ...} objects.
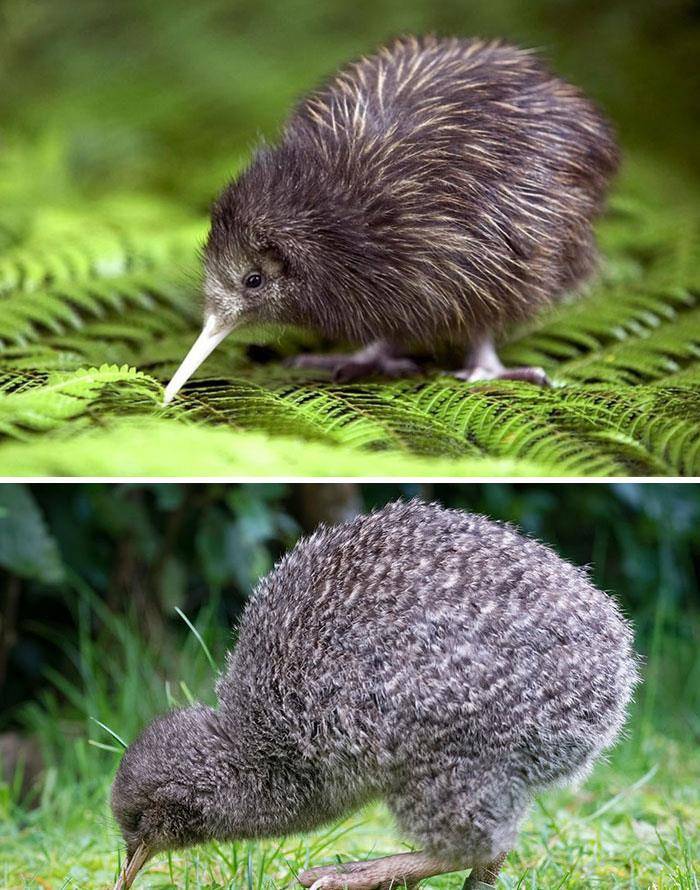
[
  {"x": 253, "y": 280},
  {"x": 132, "y": 821}
]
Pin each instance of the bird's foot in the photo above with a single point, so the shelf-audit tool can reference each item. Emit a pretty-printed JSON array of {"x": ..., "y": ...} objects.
[
  {"x": 376, "y": 360},
  {"x": 526, "y": 374},
  {"x": 482, "y": 363},
  {"x": 349, "y": 876},
  {"x": 404, "y": 870},
  {"x": 484, "y": 876}
]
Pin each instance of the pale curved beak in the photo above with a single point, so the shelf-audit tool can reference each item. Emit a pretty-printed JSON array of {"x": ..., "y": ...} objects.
[
  {"x": 213, "y": 332},
  {"x": 131, "y": 867}
]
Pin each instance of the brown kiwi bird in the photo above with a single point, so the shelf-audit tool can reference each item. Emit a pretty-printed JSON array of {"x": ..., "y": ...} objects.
[{"x": 424, "y": 197}]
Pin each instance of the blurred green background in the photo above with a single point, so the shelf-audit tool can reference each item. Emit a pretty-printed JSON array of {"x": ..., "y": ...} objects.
[{"x": 170, "y": 96}]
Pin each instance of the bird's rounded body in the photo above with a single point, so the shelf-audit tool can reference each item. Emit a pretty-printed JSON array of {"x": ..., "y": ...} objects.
[
  {"x": 429, "y": 192},
  {"x": 425, "y": 196},
  {"x": 433, "y": 658},
  {"x": 427, "y": 657}
]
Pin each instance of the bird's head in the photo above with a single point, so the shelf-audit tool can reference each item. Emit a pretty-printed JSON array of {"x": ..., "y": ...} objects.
[
  {"x": 256, "y": 259},
  {"x": 166, "y": 791},
  {"x": 286, "y": 245}
]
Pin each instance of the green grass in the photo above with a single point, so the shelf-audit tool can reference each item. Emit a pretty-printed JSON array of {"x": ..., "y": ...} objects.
[
  {"x": 633, "y": 824},
  {"x": 646, "y": 836}
]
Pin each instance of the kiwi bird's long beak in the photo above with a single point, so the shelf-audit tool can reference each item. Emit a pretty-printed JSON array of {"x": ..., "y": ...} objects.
[
  {"x": 213, "y": 332},
  {"x": 132, "y": 866}
]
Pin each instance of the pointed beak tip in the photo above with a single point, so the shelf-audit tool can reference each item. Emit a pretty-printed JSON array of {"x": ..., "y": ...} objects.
[
  {"x": 132, "y": 866},
  {"x": 211, "y": 335}
]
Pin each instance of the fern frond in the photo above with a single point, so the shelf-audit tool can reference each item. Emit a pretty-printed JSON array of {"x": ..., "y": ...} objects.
[
  {"x": 43, "y": 402},
  {"x": 65, "y": 248},
  {"x": 155, "y": 448},
  {"x": 572, "y": 430},
  {"x": 619, "y": 336}
]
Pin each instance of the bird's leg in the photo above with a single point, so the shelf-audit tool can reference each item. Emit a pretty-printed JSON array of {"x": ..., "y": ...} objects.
[
  {"x": 378, "y": 359},
  {"x": 484, "y": 876},
  {"x": 404, "y": 870},
  {"x": 482, "y": 363}
]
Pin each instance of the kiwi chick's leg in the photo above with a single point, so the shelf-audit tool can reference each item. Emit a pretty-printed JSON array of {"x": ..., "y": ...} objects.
[
  {"x": 482, "y": 363},
  {"x": 471, "y": 819},
  {"x": 485, "y": 875},
  {"x": 378, "y": 359},
  {"x": 387, "y": 873}
]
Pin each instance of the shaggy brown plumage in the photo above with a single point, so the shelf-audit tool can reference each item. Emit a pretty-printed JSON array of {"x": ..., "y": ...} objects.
[{"x": 427, "y": 194}]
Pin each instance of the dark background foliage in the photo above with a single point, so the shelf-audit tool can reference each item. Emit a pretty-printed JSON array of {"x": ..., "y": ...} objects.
[{"x": 143, "y": 550}]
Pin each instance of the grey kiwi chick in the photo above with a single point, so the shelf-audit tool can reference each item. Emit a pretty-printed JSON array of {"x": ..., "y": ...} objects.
[
  {"x": 432, "y": 659},
  {"x": 425, "y": 197}
]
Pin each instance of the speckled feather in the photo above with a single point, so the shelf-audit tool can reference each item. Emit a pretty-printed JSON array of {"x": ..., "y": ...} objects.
[
  {"x": 429, "y": 192},
  {"x": 428, "y": 657}
]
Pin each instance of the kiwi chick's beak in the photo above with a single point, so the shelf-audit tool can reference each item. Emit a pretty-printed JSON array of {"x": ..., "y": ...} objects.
[
  {"x": 213, "y": 332},
  {"x": 132, "y": 866}
]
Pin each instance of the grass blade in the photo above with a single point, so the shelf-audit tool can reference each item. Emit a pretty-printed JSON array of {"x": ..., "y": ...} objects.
[{"x": 199, "y": 638}]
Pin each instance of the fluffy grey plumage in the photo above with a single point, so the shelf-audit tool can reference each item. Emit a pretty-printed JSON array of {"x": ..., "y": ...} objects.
[
  {"x": 427, "y": 194},
  {"x": 429, "y": 657}
]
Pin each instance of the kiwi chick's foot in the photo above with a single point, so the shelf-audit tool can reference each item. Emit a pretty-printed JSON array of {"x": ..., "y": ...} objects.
[
  {"x": 404, "y": 870},
  {"x": 484, "y": 876},
  {"x": 482, "y": 363},
  {"x": 377, "y": 359}
]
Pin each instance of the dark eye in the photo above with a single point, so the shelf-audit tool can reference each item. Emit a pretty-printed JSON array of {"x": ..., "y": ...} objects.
[
  {"x": 253, "y": 280},
  {"x": 132, "y": 821}
]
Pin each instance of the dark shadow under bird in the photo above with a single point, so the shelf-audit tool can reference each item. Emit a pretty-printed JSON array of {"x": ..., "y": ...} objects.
[
  {"x": 426, "y": 657},
  {"x": 427, "y": 195}
]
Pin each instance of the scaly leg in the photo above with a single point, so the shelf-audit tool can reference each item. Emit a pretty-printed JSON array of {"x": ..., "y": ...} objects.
[
  {"x": 484, "y": 876},
  {"x": 387, "y": 873},
  {"x": 379, "y": 358},
  {"x": 482, "y": 363}
]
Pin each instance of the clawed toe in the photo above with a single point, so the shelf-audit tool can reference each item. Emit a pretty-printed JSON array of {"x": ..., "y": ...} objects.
[
  {"x": 537, "y": 376},
  {"x": 534, "y": 375},
  {"x": 330, "y": 882},
  {"x": 347, "y": 371},
  {"x": 350, "y": 876},
  {"x": 401, "y": 367},
  {"x": 370, "y": 362},
  {"x": 338, "y": 877}
]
